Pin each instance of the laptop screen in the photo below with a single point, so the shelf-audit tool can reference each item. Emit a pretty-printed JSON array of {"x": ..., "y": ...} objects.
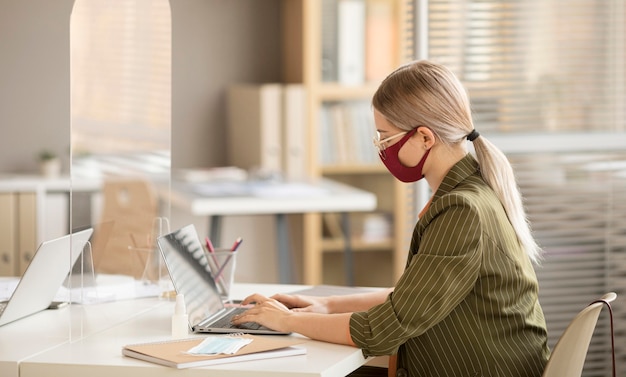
[
  {"x": 44, "y": 275},
  {"x": 190, "y": 273}
]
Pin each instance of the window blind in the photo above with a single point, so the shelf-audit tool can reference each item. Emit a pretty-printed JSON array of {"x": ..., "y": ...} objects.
[
  {"x": 536, "y": 65},
  {"x": 574, "y": 205},
  {"x": 546, "y": 82},
  {"x": 416, "y": 195}
]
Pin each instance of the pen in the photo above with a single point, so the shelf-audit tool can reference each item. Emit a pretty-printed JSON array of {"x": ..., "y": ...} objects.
[
  {"x": 211, "y": 249},
  {"x": 236, "y": 244},
  {"x": 232, "y": 249},
  {"x": 209, "y": 245}
]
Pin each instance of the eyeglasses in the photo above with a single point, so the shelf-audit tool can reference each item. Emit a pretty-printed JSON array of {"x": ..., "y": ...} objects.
[{"x": 381, "y": 145}]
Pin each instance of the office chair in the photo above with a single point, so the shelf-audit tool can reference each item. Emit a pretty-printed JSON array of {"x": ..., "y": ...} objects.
[
  {"x": 568, "y": 355},
  {"x": 130, "y": 207}
]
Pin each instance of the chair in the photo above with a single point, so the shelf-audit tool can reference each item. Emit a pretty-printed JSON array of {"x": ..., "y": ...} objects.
[
  {"x": 130, "y": 208},
  {"x": 570, "y": 351}
]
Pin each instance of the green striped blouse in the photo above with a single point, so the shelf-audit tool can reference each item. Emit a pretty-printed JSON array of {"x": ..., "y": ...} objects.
[{"x": 466, "y": 304}]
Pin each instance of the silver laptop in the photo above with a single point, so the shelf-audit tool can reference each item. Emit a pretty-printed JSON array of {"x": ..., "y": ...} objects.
[
  {"x": 43, "y": 276},
  {"x": 189, "y": 270}
]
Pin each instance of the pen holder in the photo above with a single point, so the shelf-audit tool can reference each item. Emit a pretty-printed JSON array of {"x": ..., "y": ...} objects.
[{"x": 222, "y": 263}]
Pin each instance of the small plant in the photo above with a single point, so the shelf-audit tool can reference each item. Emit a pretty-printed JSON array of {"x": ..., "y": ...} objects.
[
  {"x": 49, "y": 163},
  {"x": 47, "y": 155}
]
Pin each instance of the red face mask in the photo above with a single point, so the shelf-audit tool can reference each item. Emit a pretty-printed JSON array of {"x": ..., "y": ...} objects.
[{"x": 389, "y": 157}]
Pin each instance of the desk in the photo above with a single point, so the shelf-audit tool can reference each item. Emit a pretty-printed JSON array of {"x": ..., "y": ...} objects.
[
  {"x": 49, "y": 329},
  {"x": 99, "y": 353},
  {"x": 276, "y": 199}
]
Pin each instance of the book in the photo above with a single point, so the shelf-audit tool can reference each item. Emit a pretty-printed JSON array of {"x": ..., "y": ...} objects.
[
  {"x": 8, "y": 231},
  {"x": 27, "y": 224},
  {"x": 326, "y": 145},
  {"x": 340, "y": 134},
  {"x": 255, "y": 122},
  {"x": 351, "y": 42},
  {"x": 380, "y": 40},
  {"x": 295, "y": 148},
  {"x": 329, "y": 40},
  {"x": 171, "y": 353}
]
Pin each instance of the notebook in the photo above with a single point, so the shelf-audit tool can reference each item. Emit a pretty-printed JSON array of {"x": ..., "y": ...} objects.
[
  {"x": 189, "y": 270},
  {"x": 173, "y": 353},
  {"x": 44, "y": 275}
]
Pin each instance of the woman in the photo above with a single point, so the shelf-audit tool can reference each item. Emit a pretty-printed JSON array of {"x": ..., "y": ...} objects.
[{"x": 466, "y": 304}]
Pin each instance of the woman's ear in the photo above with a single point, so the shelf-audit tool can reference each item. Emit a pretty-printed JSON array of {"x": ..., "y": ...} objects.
[{"x": 426, "y": 136}]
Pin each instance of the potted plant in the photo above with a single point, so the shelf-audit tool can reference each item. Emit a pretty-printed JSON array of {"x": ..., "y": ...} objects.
[{"x": 49, "y": 164}]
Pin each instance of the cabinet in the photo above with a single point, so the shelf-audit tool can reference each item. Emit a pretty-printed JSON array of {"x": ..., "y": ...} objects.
[
  {"x": 321, "y": 49},
  {"x": 18, "y": 228},
  {"x": 34, "y": 209}
]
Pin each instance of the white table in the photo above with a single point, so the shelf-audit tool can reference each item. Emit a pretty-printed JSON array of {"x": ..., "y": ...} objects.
[
  {"x": 98, "y": 353},
  {"x": 46, "y": 330},
  {"x": 216, "y": 200}
]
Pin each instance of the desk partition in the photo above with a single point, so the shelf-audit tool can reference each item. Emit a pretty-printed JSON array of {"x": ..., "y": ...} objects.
[{"x": 121, "y": 143}]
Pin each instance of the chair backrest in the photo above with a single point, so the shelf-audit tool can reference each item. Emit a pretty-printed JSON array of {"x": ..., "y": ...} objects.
[
  {"x": 570, "y": 351},
  {"x": 130, "y": 208}
]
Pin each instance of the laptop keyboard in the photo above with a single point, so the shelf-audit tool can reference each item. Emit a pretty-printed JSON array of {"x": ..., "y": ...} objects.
[{"x": 224, "y": 322}]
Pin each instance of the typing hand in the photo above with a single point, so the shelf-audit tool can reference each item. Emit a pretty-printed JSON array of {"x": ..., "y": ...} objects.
[
  {"x": 267, "y": 312},
  {"x": 300, "y": 303}
]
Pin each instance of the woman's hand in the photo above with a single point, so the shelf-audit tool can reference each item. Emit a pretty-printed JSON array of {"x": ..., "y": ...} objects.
[
  {"x": 298, "y": 303},
  {"x": 275, "y": 314},
  {"x": 266, "y": 311}
]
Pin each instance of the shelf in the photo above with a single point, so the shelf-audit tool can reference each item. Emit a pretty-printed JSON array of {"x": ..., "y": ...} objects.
[{"x": 340, "y": 122}]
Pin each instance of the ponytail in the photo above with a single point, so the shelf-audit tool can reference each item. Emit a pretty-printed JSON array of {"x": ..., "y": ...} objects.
[{"x": 498, "y": 173}]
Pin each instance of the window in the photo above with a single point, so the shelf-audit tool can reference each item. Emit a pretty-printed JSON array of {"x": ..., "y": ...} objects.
[
  {"x": 546, "y": 80},
  {"x": 536, "y": 65}
]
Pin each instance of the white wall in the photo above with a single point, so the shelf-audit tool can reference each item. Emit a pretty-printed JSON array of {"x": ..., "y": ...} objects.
[
  {"x": 216, "y": 43},
  {"x": 34, "y": 80}
]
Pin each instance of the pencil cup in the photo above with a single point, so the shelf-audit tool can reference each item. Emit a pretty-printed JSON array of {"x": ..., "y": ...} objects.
[{"x": 222, "y": 263}]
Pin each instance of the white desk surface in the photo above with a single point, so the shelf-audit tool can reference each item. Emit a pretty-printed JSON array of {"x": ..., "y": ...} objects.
[
  {"x": 322, "y": 196},
  {"x": 296, "y": 197},
  {"x": 48, "y": 329},
  {"x": 98, "y": 352}
]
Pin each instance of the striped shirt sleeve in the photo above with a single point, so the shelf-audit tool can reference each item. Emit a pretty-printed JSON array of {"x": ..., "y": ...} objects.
[{"x": 438, "y": 277}]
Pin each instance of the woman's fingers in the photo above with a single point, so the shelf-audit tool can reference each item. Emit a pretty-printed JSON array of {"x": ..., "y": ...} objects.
[
  {"x": 289, "y": 301},
  {"x": 254, "y": 298},
  {"x": 267, "y": 312}
]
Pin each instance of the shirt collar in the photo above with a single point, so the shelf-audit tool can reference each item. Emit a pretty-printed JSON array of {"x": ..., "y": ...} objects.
[{"x": 460, "y": 171}]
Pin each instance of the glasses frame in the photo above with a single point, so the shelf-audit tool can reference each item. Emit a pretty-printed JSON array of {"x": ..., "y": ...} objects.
[{"x": 380, "y": 145}]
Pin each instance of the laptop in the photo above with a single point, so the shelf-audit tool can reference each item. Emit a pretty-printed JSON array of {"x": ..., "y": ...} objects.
[
  {"x": 83, "y": 273},
  {"x": 189, "y": 270},
  {"x": 43, "y": 277}
]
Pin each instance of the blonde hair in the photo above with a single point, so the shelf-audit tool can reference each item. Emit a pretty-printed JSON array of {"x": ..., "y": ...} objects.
[{"x": 428, "y": 94}]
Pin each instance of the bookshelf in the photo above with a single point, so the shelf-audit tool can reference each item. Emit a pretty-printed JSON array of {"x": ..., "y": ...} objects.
[{"x": 342, "y": 150}]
